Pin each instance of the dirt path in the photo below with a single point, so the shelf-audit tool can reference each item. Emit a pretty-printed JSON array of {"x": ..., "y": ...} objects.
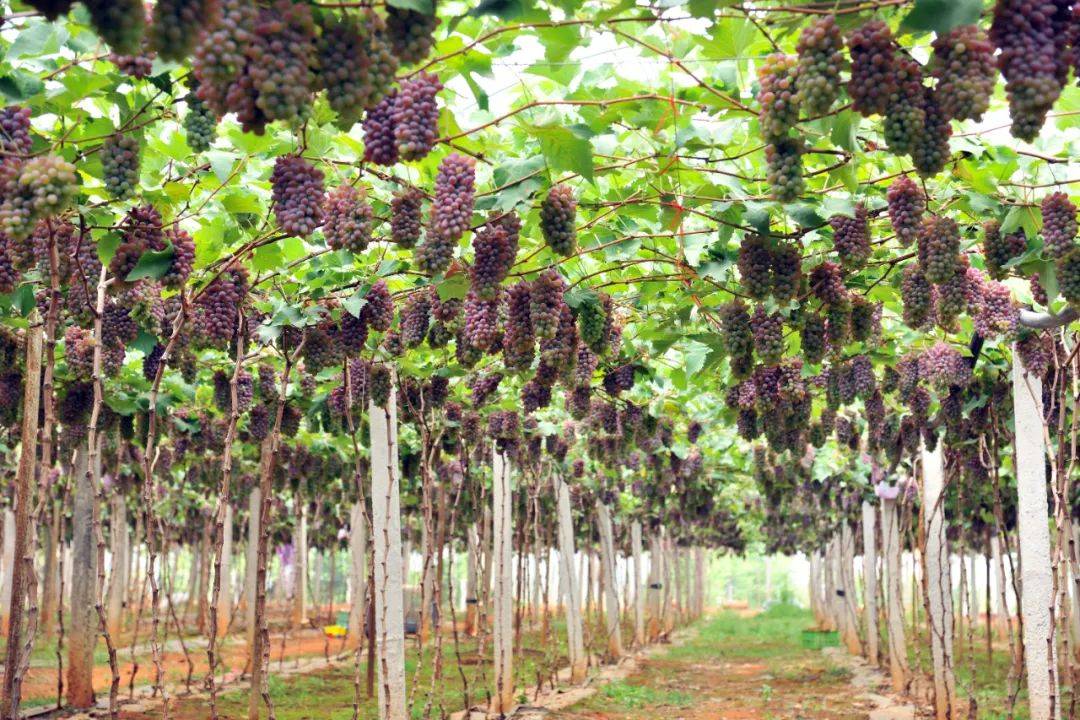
[{"x": 734, "y": 668}]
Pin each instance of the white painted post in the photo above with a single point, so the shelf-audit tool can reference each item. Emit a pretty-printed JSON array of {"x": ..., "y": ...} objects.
[
  {"x": 7, "y": 564},
  {"x": 938, "y": 582},
  {"x": 699, "y": 581},
  {"x": 117, "y": 539},
  {"x": 472, "y": 572},
  {"x": 607, "y": 550},
  {"x": 386, "y": 532},
  {"x": 251, "y": 563},
  {"x": 849, "y": 629},
  {"x": 639, "y": 589},
  {"x": 502, "y": 701},
  {"x": 300, "y": 566},
  {"x": 358, "y": 544},
  {"x": 1037, "y": 601},
  {"x": 894, "y": 601},
  {"x": 870, "y": 613},
  {"x": 575, "y": 633}
]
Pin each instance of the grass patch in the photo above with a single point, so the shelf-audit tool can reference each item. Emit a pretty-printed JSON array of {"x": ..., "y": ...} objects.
[{"x": 629, "y": 696}]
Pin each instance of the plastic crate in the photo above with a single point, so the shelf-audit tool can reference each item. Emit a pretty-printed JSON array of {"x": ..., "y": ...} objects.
[{"x": 818, "y": 639}]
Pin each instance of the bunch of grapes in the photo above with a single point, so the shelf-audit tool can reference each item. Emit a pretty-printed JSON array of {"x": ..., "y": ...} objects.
[
  {"x": 755, "y": 265},
  {"x": 916, "y": 294},
  {"x": 939, "y": 248},
  {"x": 963, "y": 64},
  {"x": 558, "y": 218},
  {"x": 15, "y": 130},
  {"x": 821, "y": 59},
  {"x": 352, "y": 332},
  {"x": 778, "y": 97},
  {"x": 905, "y": 115},
  {"x": 906, "y": 203},
  {"x": 219, "y": 60},
  {"x": 322, "y": 347},
  {"x": 120, "y": 23},
  {"x": 873, "y": 68},
  {"x": 415, "y": 318},
  {"x": 357, "y": 64},
  {"x": 1038, "y": 292},
  {"x": 415, "y": 116},
  {"x": 1059, "y": 224},
  {"x": 865, "y": 319},
  {"x": 199, "y": 124},
  {"x": 41, "y": 187},
  {"x": 519, "y": 342},
  {"x": 504, "y": 426},
  {"x": 450, "y": 214},
  {"x": 838, "y": 323},
  {"x": 378, "y": 310},
  {"x": 768, "y": 332},
  {"x": 492, "y": 259},
  {"x": 1000, "y": 249},
  {"x": 943, "y": 367},
  {"x": 380, "y": 143},
  {"x": 594, "y": 323},
  {"x": 812, "y": 336},
  {"x": 930, "y": 148},
  {"x": 995, "y": 312},
  {"x": 786, "y": 264},
  {"x": 483, "y": 388},
  {"x": 9, "y": 274},
  {"x": 175, "y": 25},
  {"x": 120, "y": 165},
  {"x": 862, "y": 376},
  {"x": 784, "y": 173},
  {"x": 138, "y": 65},
  {"x": 141, "y": 231},
  {"x": 1032, "y": 37},
  {"x": 411, "y": 33},
  {"x": 217, "y": 309},
  {"x": 151, "y": 362},
  {"x": 1068, "y": 276},
  {"x": 347, "y": 219},
  {"x": 481, "y": 321},
  {"x": 951, "y": 296},
  {"x": 851, "y": 237},
  {"x": 405, "y": 221},
  {"x": 297, "y": 195},
  {"x": 546, "y": 303},
  {"x": 827, "y": 283},
  {"x": 1036, "y": 352},
  {"x": 560, "y": 350},
  {"x": 79, "y": 352}
]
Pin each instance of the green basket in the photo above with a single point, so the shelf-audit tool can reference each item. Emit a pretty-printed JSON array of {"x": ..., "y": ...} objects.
[{"x": 817, "y": 639}]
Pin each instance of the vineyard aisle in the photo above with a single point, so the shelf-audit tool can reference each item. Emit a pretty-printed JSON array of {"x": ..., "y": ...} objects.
[{"x": 737, "y": 666}]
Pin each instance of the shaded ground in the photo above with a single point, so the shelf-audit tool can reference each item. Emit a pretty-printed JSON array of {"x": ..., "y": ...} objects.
[
  {"x": 735, "y": 668},
  {"x": 329, "y": 693}
]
